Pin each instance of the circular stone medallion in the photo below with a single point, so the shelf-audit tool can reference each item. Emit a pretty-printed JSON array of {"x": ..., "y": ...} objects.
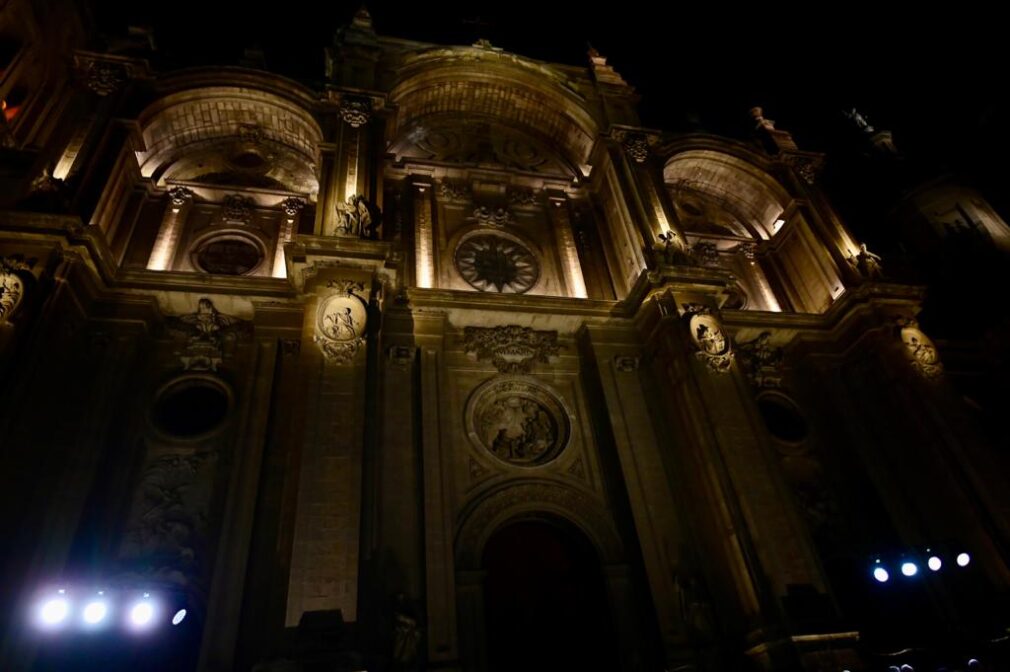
[
  {"x": 518, "y": 421},
  {"x": 342, "y": 318},
  {"x": 494, "y": 263}
]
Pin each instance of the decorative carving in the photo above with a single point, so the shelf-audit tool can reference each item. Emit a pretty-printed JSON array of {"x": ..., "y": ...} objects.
[
  {"x": 578, "y": 469},
  {"x": 357, "y": 217},
  {"x": 494, "y": 263},
  {"x": 178, "y": 197},
  {"x": 637, "y": 147},
  {"x": 354, "y": 112},
  {"x": 714, "y": 347},
  {"x": 806, "y": 165},
  {"x": 206, "y": 332},
  {"x": 450, "y": 191},
  {"x": 104, "y": 77},
  {"x": 400, "y": 356},
  {"x": 706, "y": 254},
  {"x": 165, "y": 536},
  {"x": 748, "y": 250},
  {"x": 518, "y": 421},
  {"x": 866, "y": 263},
  {"x": 497, "y": 217},
  {"x": 290, "y": 347},
  {"x": 341, "y": 320},
  {"x": 523, "y": 198},
  {"x": 476, "y": 471},
  {"x": 251, "y": 133},
  {"x": 292, "y": 206},
  {"x": 626, "y": 363},
  {"x": 921, "y": 352},
  {"x": 12, "y": 286},
  {"x": 238, "y": 208},
  {"x": 761, "y": 361},
  {"x": 512, "y": 349}
]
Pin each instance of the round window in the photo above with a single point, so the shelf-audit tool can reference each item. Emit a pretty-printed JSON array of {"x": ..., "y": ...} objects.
[
  {"x": 782, "y": 418},
  {"x": 191, "y": 407},
  {"x": 228, "y": 255}
]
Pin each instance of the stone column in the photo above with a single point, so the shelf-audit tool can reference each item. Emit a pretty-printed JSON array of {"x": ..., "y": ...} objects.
[
  {"x": 180, "y": 201},
  {"x": 639, "y": 450},
  {"x": 440, "y": 577},
  {"x": 565, "y": 240},
  {"x": 424, "y": 243}
]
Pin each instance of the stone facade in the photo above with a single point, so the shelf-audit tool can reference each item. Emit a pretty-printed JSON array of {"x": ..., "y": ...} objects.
[{"x": 285, "y": 351}]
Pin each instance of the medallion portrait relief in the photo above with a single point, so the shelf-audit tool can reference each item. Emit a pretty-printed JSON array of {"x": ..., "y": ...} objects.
[{"x": 518, "y": 421}]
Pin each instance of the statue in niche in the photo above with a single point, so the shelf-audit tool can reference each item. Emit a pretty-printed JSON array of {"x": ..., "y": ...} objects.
[
  {"x": 357, "y": 217},
  {"x": 867, "y": 263}
]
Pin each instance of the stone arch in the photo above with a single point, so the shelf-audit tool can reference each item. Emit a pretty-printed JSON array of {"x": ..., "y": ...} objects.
[
  {"x": 730, "y": 179},
  {"x": 518, "y": 499},
  {"x": 518, "y": 94},
  {"x": 213, "y": 131}
]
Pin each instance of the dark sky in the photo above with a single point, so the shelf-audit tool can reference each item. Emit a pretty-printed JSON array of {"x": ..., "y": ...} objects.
[{"x": 935, "y": 76}]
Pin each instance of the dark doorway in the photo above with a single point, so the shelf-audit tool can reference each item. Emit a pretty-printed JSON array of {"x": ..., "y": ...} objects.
[{"x": 545, "y": 601}]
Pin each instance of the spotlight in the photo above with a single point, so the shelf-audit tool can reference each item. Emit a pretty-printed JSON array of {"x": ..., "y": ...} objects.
[
  {"x": 934, "y": 563},
  {"x": 881, "y": 575},
  {"x": 179, "y": 617},
  {"x": 142, "y": 613},
  {"x": 95, "y": 612},
  {"x": 54, "y": 610},
  {"x": 909, "y": 568},
  {"x": 963, "y": 559}
]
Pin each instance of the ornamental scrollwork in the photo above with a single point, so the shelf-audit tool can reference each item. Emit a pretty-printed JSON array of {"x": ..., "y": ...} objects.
[
  {"x": 511, "y": 348},
  {"x": 206, "y": 332},
  {"x": 761, "y": 361}
]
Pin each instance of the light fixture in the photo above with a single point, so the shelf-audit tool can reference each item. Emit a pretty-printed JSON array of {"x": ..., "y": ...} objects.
[
  {"x": 909, "y": 568},
  {"x": 54, "y": 610},
  {"x": 880, "y": 574},
  {"x": 934, "y": 563},
  {"x": 963, "y": 559},
  {"x": 179, "y": 617},
  {"x": 142, "y": 613},
  {"x": 95, "y": 612}
]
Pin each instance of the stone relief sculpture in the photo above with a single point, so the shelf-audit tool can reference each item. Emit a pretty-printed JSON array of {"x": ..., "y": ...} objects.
[
  {"x": 357, "y": 217},
  {"x": 921, "y": 352},
  {"x": 706, "y": 332},
  {"x": 761, "y": 361},
  {"x": 341, "y": 320},
  {"x": 206, "y": 332},
  {"x": 238, "y": 208},
  {"x": 518, "y": 421},
  {"x": 511, "y": 348},
  {"x": 706, "y": 254},
  {"x": 12, "y": 286},
  {"x": 496, "y": 217},
  {"x": 170, "y": 515}
]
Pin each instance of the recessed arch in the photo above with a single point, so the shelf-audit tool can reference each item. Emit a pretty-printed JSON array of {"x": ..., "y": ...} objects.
[
  {"x": 720, "y": 183},
  {"x": 213, "y": 131},
  {"x": 524, "y": 499}
]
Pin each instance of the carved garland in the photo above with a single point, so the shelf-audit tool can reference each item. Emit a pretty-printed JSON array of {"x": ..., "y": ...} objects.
[{"x": 511, "y": 348}]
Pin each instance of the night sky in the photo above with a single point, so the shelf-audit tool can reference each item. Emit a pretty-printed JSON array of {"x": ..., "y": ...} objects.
[{"x": 935, "y": 76}]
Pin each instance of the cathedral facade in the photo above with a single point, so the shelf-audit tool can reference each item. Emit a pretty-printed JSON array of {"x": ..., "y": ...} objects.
[{"x": 449, "y": 363}]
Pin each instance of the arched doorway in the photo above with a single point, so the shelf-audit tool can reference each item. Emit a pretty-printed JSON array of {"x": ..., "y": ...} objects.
[{"x": 545, "y": 600}]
